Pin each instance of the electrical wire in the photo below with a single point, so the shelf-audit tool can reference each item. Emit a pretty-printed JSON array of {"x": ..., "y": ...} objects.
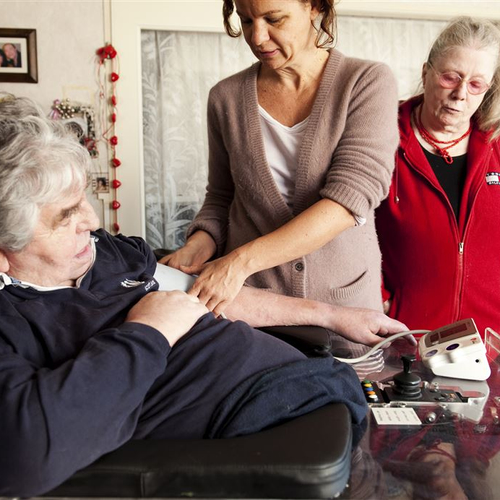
[{"x": 353, "y": 361}]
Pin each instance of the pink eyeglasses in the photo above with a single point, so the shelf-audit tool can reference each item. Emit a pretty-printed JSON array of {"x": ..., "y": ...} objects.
[{"x": 452, "y": 80}]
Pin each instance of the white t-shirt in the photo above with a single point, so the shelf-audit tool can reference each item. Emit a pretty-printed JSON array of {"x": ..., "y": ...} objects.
[{"x": 282, "y": 145}]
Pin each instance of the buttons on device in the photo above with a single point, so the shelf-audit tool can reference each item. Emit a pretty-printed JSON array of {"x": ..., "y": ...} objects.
[{"x": 369, "y": 391}]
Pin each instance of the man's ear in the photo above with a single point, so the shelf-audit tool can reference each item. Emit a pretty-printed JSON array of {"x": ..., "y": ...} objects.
[{"x": 4, "y": 262}]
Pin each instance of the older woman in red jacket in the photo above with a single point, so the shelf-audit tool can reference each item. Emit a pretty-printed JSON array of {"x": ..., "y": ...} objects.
[{"x": 439, "y": 228}]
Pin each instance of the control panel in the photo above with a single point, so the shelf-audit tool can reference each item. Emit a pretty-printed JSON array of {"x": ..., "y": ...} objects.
[{"x": 455, "y": 351}]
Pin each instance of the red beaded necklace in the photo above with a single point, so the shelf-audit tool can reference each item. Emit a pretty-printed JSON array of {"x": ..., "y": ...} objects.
[{"x": 442, "y": 150}]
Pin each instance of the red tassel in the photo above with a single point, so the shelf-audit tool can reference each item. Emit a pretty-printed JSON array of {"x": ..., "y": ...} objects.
[{"x": 115, "y": 205}]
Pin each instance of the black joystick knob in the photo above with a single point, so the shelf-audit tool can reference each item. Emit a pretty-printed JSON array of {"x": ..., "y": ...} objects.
[{"x": 406, "y": 383}]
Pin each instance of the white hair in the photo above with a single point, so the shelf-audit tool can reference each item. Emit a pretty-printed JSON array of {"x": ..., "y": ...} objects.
[
  {"x": 478, "y": 34},
  {"x": 41, "y": 162}
]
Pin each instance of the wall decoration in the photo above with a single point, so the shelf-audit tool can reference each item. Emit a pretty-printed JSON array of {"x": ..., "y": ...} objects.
[
  {"x": 18, "y": 61},
  {"x": 80, "y": 118},
  {"x": 108, "y": 72},
  {"x": 100, "y": 182}
]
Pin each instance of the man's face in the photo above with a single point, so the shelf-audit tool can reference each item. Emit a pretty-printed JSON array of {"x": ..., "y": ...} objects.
[{"x": 60, "y": 251}]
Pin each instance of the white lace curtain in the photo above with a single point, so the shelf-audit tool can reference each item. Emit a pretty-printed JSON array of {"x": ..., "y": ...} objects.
[{"x": 178, "y": 70}]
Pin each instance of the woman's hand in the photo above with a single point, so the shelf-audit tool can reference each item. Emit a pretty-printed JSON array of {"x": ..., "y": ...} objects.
[
  {"x": 198, "y": 249},
  {"x": 219, "y": 282}
]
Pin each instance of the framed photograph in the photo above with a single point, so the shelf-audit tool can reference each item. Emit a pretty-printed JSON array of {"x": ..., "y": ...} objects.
[
  {"x": 100, "y": 182},
  {"x": 18, "y": 62}
]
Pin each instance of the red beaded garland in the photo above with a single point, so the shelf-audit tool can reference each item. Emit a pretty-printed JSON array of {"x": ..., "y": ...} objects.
[{"x": 105, "y": 53}]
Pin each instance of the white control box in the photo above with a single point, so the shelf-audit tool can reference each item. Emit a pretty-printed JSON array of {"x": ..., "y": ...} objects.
[{"x": 456, "y": 351}]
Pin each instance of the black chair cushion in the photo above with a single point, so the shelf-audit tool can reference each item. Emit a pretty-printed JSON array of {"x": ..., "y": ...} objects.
[{"x": 308, "y": 457}]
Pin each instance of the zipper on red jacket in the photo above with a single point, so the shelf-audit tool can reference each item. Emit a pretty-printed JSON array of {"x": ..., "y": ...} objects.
[
  {"x": 461, "y": 249},
  {"x": 458, "y": 296},
  {"x": 461, "y": 244}
]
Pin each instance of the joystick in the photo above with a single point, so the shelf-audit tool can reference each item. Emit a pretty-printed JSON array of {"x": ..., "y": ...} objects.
[{"x": 406, "y": 383}]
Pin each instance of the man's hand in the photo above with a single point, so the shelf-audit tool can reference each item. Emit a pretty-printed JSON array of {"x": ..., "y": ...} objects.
[
  {"x": 173, "y": 314},
  {"x": 387, "y": 306},
  {"x": 365, "y": 326}
]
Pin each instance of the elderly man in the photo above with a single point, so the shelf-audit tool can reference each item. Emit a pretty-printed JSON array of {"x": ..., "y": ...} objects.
[{"x": 93, "y": 355}]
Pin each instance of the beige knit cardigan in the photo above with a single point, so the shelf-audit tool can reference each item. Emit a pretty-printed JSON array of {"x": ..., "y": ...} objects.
[{"x": 347, "y": 155}]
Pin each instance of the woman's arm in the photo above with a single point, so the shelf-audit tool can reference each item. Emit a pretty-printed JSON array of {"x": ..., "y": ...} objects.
[
  {"x": 206, "y": 236},
  {"x": 199, "y": 248},
  {"x": 213, "y": 216},
  {"x": 220, "y": 281}
]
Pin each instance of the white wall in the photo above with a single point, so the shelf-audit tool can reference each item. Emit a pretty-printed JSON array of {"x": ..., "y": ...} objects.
[
  {"x": 443, "y": 9},
  {"x": 68, "y": 34}
]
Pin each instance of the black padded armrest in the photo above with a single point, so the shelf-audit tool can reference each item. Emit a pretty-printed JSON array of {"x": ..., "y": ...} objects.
[
  {"x": 311, "y": 340},
  {"x": 308, "y": 457}
]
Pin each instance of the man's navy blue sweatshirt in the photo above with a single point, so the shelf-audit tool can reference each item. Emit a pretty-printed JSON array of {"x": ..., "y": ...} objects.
[{"x": 77, "y": 382}]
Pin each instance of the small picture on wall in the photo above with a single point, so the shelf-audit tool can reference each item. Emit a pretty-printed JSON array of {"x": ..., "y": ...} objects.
[
  {"x": 18, "y": 61},
  {"x": 100, "y": 182}
]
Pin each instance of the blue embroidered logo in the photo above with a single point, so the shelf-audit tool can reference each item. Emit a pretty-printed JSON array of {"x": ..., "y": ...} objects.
[{"x": 492, "y": 178}]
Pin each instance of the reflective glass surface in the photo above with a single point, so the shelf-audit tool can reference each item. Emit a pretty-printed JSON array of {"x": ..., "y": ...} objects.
[{"x": 453, "y": 450}]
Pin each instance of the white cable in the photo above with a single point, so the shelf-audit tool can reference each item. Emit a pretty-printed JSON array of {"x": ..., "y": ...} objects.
[{"x": 353, "y": 361}]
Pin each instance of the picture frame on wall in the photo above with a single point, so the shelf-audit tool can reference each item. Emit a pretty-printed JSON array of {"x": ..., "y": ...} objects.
[
  {"x": 18, "y": 59},
  {"x": 100, "y": 182}
]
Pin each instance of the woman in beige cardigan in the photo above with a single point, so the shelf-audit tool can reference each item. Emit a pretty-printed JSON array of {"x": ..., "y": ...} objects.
[{"x": 301, "y": 151}]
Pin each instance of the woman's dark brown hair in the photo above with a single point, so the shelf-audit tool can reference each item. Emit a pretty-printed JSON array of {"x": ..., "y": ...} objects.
[{"x": 326, "y": 30}]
